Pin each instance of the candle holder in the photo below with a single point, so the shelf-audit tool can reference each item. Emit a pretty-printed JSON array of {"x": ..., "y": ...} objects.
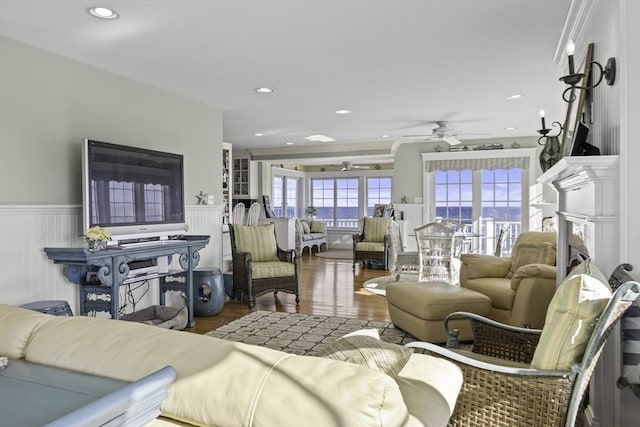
[{"x": 545, "y": 132}]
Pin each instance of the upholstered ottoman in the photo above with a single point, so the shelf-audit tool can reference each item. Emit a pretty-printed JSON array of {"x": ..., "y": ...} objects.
[{"x": 419, "y": 308}]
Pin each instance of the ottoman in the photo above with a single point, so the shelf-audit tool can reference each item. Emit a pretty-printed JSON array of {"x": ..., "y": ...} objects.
[{"x": 419, "y": 308}]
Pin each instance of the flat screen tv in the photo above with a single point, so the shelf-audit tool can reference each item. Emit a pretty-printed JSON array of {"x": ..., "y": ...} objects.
[{"x": 135, "y": 193}]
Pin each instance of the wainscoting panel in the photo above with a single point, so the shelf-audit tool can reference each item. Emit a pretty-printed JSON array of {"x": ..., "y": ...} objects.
[{"x": 27, "y": 275}]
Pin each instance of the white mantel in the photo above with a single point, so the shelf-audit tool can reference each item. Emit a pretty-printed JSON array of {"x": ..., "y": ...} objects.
[{"x": 588, "y": 204}]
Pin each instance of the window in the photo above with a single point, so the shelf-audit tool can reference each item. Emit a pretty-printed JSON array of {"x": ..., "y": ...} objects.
[
  {"x": 378, "y": 192},
  {"x": 482, "y": 189},
  {"x": 336, "y": 200},
  {"x": 284, "y": 196},
  {"x": 454, "y": 195}
]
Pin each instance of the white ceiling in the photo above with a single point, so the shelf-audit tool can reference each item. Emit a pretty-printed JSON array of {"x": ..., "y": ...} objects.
[{"x": 399, "y": 65}]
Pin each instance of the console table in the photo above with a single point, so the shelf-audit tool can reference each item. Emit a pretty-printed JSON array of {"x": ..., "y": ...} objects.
[{"x": 111, "y": 266}]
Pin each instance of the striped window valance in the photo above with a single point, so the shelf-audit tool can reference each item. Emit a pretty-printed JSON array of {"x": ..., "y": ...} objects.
[{"x": 477, "y": 164}]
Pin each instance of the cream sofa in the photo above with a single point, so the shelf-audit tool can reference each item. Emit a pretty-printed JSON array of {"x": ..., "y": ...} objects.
[{"x": 223, "y": 383}]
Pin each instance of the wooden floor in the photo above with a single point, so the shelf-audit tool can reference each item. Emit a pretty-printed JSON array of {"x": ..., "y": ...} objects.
[{"x": 327, "y": 287}]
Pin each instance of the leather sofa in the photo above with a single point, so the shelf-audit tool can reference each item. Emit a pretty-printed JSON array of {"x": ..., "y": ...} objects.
[
  {"x": 520, "y": 287},
  {"x": 224, "y": 383}
]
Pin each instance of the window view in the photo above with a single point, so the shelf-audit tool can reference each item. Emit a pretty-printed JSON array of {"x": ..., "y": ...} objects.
[
  {"x": 378, "y": 192},
  {"x": 496, "y": 194},
  {"x": 336, "y": 200}
]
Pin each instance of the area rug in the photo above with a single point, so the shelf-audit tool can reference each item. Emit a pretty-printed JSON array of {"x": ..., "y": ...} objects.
[
  {"x": 336, "y": 254},
  {"x": 301, "y": 333}
]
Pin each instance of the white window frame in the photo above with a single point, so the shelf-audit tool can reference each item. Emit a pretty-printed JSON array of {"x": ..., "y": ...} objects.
[
  {"x": 528, "y": 177},
  {"x": 290, "y": 174}
]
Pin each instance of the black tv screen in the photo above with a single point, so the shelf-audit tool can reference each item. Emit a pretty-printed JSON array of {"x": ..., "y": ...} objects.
[{"x": 132, "y": 190}]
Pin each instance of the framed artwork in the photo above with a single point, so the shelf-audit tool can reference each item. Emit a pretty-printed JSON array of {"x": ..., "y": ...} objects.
[
  {"x": 382, "y": 211},
  {"x": 575, "y": 109}
]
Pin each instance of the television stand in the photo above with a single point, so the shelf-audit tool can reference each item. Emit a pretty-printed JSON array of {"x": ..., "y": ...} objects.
[{"x": 111, "y": 266}]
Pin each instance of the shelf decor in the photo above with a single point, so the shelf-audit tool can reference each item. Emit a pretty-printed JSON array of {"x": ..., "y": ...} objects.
[{"x": 97, "y": 238}]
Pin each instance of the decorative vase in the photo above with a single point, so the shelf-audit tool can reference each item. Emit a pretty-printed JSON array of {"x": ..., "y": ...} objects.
[
  {"x": 96, "y": 245},
  {"x": 550, "y": 154}
]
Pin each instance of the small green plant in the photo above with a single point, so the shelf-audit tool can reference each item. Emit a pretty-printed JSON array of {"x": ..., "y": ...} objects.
[{"x": 97, "y": 234}]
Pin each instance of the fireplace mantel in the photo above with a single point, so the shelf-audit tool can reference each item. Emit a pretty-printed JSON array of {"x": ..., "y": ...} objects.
[{"x": 588, "y": 205}]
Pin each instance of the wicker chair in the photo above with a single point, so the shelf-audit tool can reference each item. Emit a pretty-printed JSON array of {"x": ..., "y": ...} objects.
[
  {"x": 259, "y": 265},
  {"x": 374, "y": 242},
  {"x": 501, "y": 386}
]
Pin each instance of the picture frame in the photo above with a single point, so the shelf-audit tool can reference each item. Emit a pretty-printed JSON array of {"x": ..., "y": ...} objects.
[
  {"x": 575, "y": 109},
  {"x": 382, "y": 210}
]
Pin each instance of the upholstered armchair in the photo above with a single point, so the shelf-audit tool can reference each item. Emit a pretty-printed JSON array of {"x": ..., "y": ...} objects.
[
  {"x": 529, "y": 377},
  {"x": 259, "y": 265},
  {"x": 374, "y": 242},
  {"x": 521, "y": 286}
]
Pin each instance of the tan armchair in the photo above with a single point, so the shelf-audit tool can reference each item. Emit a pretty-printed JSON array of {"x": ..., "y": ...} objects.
[
  {"x": 374, "y": 242},
  {"x": 520, "y": 287},
  {"x": 259, "y": 265}
]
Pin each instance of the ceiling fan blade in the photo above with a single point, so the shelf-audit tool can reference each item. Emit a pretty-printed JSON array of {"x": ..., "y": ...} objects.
[{"x": 418, "y": 136}]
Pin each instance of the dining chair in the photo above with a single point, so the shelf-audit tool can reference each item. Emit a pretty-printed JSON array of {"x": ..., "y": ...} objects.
[
  {"x": 254, "y": 213},
  {"x": 237, "y": 215}
]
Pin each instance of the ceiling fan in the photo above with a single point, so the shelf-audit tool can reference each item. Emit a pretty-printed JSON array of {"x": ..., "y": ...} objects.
[
  {"x": 347, "y": 166},
  {"x": 444, "y": 132}
]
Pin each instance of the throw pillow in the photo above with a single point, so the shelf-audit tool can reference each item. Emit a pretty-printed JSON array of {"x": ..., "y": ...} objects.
[
  {"x": 572, "y": 314},
  {"x": 375, "y": 229},
  {"x": 368, "y": 351},
  {"x": 299, "y": 228},
  {"x": 532, "y": 253},
  {"x": 305, "y": 227},
  {"x": 318, "y": 227}
]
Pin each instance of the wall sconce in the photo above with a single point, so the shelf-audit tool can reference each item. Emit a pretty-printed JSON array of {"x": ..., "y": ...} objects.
[
  {"x": 573, "y": 78},
  {"x": 544, "y": 131}
]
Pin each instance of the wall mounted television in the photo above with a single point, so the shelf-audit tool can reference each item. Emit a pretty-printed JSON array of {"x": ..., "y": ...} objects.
[{"x": 135, "y": 193}]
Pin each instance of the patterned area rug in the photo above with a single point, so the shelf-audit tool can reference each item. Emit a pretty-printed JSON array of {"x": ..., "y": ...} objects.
[{"x": 301, "y": 333}]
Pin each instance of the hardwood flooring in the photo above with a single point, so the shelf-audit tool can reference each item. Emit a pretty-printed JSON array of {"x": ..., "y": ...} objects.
[{"x": 327, "y": 287}]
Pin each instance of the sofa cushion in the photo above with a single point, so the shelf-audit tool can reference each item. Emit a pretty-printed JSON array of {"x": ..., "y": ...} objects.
[
  {"x": 499, "y": 290},
  {"x": 269, "y": 269},
  {"x": 533, "y": 253},
  {"x": 369, "y": 247},
  {"x": 368, "y": 351},
  {"x": 375, "y": 229},
  {"x": 259, "y": 240},
  {"x": 16, "y": 328},
  {"x": 305, "y": 227},
  {"x": 318, "y": 227},
  {"x": 571, "y": 317}
]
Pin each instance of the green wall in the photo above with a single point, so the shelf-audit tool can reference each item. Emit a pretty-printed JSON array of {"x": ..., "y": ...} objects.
[{"x": 49, "y": 104}]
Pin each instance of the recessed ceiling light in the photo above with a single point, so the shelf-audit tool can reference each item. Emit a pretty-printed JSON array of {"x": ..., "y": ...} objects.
[
  {"x": 515, "y": 97},
  {"x": 343, "y": 112},
  {"x": 264, "y": 90},
  {"x": 386, "y": 136},
  {"x": 319, "y": 138},
  {"x": 510, "y": 128},
  {"x": 258, "y": 134},
  {"x": 288, "y": 143},
  {"x": 103, "y": 13}
]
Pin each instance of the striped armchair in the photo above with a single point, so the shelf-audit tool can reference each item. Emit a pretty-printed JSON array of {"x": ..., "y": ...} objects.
[
  {"x": 374, "y": 242},
  {"x": 259, "y": 265}
]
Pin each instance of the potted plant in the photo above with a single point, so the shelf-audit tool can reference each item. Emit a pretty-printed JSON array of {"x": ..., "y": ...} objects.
[{"x": 97, "y": 238}]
